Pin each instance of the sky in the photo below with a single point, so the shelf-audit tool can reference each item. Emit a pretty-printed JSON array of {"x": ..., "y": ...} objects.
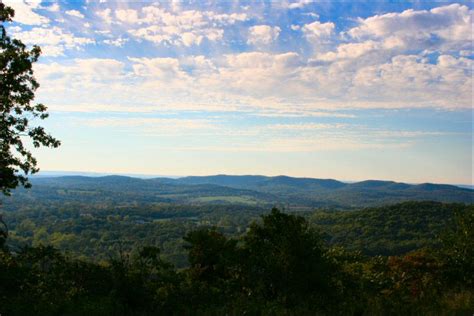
[{"x": 350, "y": 90}]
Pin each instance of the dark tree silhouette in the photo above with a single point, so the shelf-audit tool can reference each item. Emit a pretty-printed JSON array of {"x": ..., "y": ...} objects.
[
  {"x": 286, "y": 260},
  {"x": 17, "y": 92},
  {"x": 3, "y": 233}
]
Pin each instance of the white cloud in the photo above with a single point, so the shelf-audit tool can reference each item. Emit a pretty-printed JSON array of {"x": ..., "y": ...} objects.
[
  {"x": 416, "y": 81},
  {"x": 262, "y": 60},
  {"x": 301, "y": 144},
  {"x": 350, "y": 50},
  {"x": 53, "y": 40},
  {"x": 181, "y": 28},
  {"x": 14, "y": 29},
  {"x": 299, "y": 4},
  {"x": 52, "y": 51},
  {"x": 81, "y": 71},
  {"x": 304, "y": 126},
  {"x": 127, "y": 16},
  {"x": 369, "y": 67},
  {"x": 75, "y": 13},
  {"x": 24, "y": 12},
  {"x": 158, "y": 68},
  {"x": 263, "y": 34},
  {"x": 385, "y": 58},
  {"x": 119, "y": 42},
  {"x": 227, "y": 19},
  {"x": 295, "y": 27},
  {"x": 177, "y": 35},
  {"x": 155, "y": 34},
  {"x": 165, "y": 126},
  {"x": 296, "y": 137},
  {"x": 317, "y": 31},
  {"x": 269, "y": 84},
  {"x": 53, "y": 7},
  {"x": 256, "y": 75},
  {"x": 199, "y": 65},
  {"x": 446, "y": 27},
  {"x": 106, "y": 15},
  {"x": 190, "y": 39}
]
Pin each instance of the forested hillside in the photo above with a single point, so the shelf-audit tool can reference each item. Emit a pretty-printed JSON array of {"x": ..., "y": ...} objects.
[
  {"x": 279, "y": 266},
  {"x": 298, "y": 193},
  {"x": 98, "y": 229},
  {"x": 125, "y": 246},
  {"x": 388, "y": 230}
]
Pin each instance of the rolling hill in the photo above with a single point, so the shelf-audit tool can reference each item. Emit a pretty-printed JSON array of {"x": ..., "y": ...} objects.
[{"x": 252, "y": 190}]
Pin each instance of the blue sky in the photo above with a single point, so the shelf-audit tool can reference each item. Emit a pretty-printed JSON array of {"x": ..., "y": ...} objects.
[{"x": 350, "y": 90}]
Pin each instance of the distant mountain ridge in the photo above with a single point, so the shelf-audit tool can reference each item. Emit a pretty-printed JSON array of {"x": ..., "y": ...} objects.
[
  {"x": 249, "y": 189},
  {"x": 57, "y": 174},
  {"x": 261, "y": 181},
  {"x": 307, "y": 183}
]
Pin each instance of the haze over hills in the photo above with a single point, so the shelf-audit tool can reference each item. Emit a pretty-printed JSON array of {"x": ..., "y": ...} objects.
[
  {"x": 251, "y": 190},
  {"x": 198, "y": 179}
]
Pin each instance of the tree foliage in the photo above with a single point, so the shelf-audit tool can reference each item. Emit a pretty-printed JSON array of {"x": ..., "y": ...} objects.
[
  {"x": 286, "y": 260},
  {"x": 280, "y": 266},
  {"x": 17, "y": 110},
  {"x": 3, "y": 233}
]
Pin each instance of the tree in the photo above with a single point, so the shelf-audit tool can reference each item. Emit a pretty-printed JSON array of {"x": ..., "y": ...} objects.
[
  {"x": 286, "y": 261},
  {"x": 457, "y": 251},
  {"x": 211, "y": 255},
  {"x": 3, "y": 233},
  {"x": 17, "y": 92}
]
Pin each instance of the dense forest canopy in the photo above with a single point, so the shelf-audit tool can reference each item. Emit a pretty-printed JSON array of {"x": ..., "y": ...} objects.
[
  {"x": 279, "y": 266},
  {"x": 294, "y": 193},
  {"x": 96, "y": 230}
]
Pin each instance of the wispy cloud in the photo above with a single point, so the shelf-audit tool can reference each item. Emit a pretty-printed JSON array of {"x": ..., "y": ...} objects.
[{"x": 287, "y": 77}]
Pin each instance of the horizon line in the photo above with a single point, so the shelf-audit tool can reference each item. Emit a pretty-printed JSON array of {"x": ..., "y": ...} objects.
[{"x": 149, "y": 176}]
